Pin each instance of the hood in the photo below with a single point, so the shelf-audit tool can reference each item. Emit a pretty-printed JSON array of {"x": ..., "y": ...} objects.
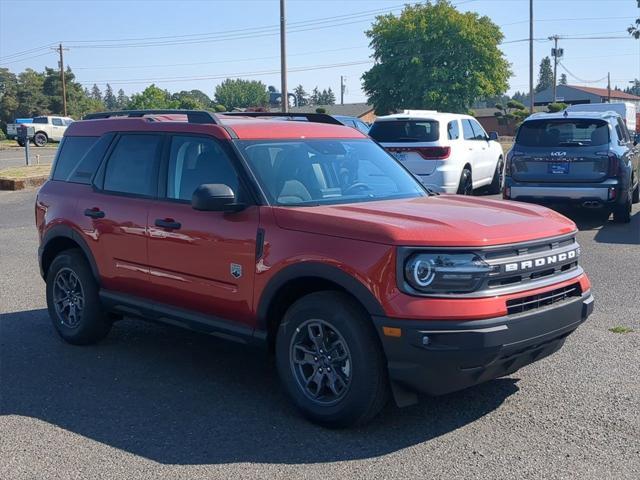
[{"x": 444, "y": 220}]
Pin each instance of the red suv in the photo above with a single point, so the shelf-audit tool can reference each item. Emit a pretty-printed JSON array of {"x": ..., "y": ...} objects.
[{"x": 309, "y": 238}]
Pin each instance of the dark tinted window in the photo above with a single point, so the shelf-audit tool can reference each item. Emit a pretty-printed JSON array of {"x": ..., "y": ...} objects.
[
  {"x": 73, "y": 164},
  {"x": 194, "y": 161},
  {"x": 478, "y": 130},
  {"x": 563, "y": 133},
  {"x": 40, "y": 120},
  {"x": 133, "y": 165},
  {"x": 453, "y": 131},
  {"x": 467, "y": 130},
  {"x": 405, "y": 131}
]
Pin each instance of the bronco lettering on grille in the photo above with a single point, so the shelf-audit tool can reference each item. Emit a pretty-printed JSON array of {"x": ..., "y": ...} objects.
[{"x": 542, "y": 261}]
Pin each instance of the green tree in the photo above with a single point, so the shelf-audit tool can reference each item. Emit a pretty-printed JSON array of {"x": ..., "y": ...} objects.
[
  {"x": 633, "y": 89},
  {"x": 634, "y": 30},
  {"x": 32, "y": 100},
  {"x": 192, "y": 100},
  {"x": 315, "y": 96},
  {"x": 563, "y": 79},
  {"x": 327, "y": 97},
  {"x": 122, "y": 101},
  {"x": 109, "y": 99},
  {"x": 152, "y": 97},
  {"x": 556, "y": 107},
  {"x": 433, "y": 56},
  {"x": 8, "y": 97},
  {"x": 220, "y": 108},
  {"x": 301, "y": 96},
  {"x": 513, "y": 112},
  {"x": 96, "y": 94},
  {"x": 545, "y": 75},
  {"x": 238, "y": 93}
]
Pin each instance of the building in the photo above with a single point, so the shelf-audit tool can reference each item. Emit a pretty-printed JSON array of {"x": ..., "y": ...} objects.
[
  {"x": 577, "y": 94},
  {"x": 363, "y": 111}
]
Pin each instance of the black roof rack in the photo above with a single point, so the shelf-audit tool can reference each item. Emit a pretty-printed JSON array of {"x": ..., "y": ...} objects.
[
  {"x": 311, "y": 117},
  {"x": 193, "y": 116}
]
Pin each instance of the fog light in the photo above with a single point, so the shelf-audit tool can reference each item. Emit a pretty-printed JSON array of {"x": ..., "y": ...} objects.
[{"x": 426, "y": 340}]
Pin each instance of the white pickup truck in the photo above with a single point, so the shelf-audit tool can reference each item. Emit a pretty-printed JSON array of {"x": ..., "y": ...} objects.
[{"x": 47, "y": 128}]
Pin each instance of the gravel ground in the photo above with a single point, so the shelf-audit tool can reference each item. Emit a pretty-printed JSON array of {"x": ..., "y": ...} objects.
[{"x": 157, "y": 402}]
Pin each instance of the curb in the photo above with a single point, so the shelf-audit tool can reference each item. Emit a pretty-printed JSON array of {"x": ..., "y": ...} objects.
[{"x": 22, "y": 183}]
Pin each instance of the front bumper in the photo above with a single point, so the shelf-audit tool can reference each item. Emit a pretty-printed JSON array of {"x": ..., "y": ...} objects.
[{"x": 438, "y": 357}]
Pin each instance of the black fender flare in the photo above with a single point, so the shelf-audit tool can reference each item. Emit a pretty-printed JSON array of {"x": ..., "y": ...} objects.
[
  {"x": 66, "y": 231},
  {"x": 317, "y": 270}
]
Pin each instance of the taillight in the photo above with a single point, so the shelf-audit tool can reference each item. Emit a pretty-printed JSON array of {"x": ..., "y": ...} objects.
[
  {"x": 614, "y": 165},
  {"x": 428, "y": 153}
]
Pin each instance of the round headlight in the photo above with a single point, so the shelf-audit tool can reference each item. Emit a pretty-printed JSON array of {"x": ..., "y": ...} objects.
[{"x": 423, "y": 272}]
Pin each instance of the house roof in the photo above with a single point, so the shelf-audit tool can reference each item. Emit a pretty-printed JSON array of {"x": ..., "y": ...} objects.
[
  {"x": 603, "y": 92},
  {"x": 348, "y": 109}
]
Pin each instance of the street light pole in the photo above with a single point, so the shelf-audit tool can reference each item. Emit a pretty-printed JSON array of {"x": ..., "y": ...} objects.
[{"x": 283, "y": 59}]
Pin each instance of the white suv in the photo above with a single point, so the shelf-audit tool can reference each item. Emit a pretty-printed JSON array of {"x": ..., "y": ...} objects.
[{"x": 448, "y": 152}]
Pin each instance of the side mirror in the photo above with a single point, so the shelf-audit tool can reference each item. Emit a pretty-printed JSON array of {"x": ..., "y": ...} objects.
[
  {"x": 493, "y": 136},
  {"x": 215, "y": 197}
]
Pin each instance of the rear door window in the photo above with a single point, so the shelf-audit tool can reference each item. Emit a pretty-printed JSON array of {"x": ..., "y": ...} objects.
[
  {"x": 467, "y": 130},
  {"x": 400, "y": 131},
  {"x": 563, "y": 133},
  {"x": 72, "y": 163},
  {"x": 56, "y": 122},
  {"x": 132, "y": 167}
]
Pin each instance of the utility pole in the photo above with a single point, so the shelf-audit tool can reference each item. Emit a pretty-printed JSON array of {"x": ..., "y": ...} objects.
[
  {"x": 608, "y": 87},
  {"x": 556, "y": 53},
  {"x": 62, "y": 80},
  {"x": 342, "y": 87},
  {"x": 283, "y": 59},
  {"x": 531, "y": 92}
]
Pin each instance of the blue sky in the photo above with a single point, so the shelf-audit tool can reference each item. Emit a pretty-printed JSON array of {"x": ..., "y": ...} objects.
[{"x": 326, "y": 40}]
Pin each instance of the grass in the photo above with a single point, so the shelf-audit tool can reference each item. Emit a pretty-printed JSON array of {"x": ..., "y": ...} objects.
[
  {"x": 620, "y": 329},
  {"x": 19, "y": 173}
]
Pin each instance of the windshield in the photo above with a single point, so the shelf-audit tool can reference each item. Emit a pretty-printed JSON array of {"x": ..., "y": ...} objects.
[
  {"x": 405, "y": 131},
  {"x": 322, "y": 172},
  {"x": 563, "y": 133}
]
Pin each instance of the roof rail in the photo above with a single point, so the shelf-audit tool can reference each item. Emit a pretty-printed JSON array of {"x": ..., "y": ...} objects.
[
  {"x": 193, "y": 116},
  {"x": 311, "y": 117}
]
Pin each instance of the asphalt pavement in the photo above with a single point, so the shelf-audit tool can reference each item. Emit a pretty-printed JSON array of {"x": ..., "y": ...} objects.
[
  {"x": 15, "y": 156},
  {"x": 157, "y": 402}
]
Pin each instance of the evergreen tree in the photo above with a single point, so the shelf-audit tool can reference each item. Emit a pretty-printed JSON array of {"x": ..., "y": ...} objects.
[
  {"x": 545, "y": 75},
  {"x": 563, "y": 79},
  {"x": 109, "y": 99},
  {"x": 96, "y": 94},
  {"x": 301, "y": 96},
  {"x": 122, "y": 101},
  {"x": 315, "y": 97}
]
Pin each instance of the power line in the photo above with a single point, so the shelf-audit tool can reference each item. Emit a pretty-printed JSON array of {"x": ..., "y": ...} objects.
[{"x": 581, "y": 79}]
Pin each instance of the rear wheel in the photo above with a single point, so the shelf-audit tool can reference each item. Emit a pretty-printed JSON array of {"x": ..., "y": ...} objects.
[
  {"x": 466, "y": 183},
  {"x": 73, "y": 302},
  {"x": 498, "y": 177},
  {"x": 330, "y": 361},
  {"x": 622, "y": 213},
  {"x": 20, "y": 142}
]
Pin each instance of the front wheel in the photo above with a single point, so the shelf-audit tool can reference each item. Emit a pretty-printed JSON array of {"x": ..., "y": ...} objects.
[
  {"x": 40, "y": 139},
  {"x": 73, "y": 301},
  {"x": 635, "y": 196},
  {"x": 330, "y": 360}
]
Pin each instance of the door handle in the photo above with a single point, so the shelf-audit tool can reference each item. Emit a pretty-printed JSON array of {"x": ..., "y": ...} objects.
[
  {"x": 94, "y": 212},
  {"x": 169, "y": 223}
]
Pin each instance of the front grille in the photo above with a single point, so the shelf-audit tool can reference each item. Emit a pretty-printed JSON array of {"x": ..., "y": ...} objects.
[{"x": 524, "y": 304}]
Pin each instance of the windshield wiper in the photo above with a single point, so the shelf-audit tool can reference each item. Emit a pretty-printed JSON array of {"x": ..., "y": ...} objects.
[{"x": 572, "y": 144}]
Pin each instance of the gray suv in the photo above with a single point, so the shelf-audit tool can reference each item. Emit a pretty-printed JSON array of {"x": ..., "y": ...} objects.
[{"x": 585, "y": 158}]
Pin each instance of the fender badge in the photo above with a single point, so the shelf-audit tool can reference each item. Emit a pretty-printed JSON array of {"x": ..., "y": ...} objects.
[{"x": 236, "y": 270}]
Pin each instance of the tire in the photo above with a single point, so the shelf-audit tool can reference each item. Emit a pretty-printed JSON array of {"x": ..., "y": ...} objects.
[
  {"x": 40, "y": 139},
  {"x": 357, "y": 388},
  {"x": 466, "y": 183},
  {"x": 635, "y": 196},
  {"x": 90, "y": 323},
  {"x": 20, "y": 142},
  {"x": 622, "y": 213},
  {"x": 498, "y": 177}
]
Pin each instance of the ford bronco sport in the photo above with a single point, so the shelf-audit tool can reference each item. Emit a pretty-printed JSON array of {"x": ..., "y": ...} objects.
[{"x": 306, "y": 237}]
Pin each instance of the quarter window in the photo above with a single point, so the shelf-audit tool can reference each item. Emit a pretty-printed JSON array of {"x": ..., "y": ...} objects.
[
  {"x": 133, "y": 165},
  {"x": 194, "y": 161},
  {"x": 453, "y": 130}
]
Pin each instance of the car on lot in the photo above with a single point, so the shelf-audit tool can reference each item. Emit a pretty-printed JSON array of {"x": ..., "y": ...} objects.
[
  {"x": 448, "y": 152},
  {"x": 46, "y": 129},
  {"x": 587, "y": 159},
  {"x": 307, "y": 238},
  {"x": 354, "y": 122}
]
